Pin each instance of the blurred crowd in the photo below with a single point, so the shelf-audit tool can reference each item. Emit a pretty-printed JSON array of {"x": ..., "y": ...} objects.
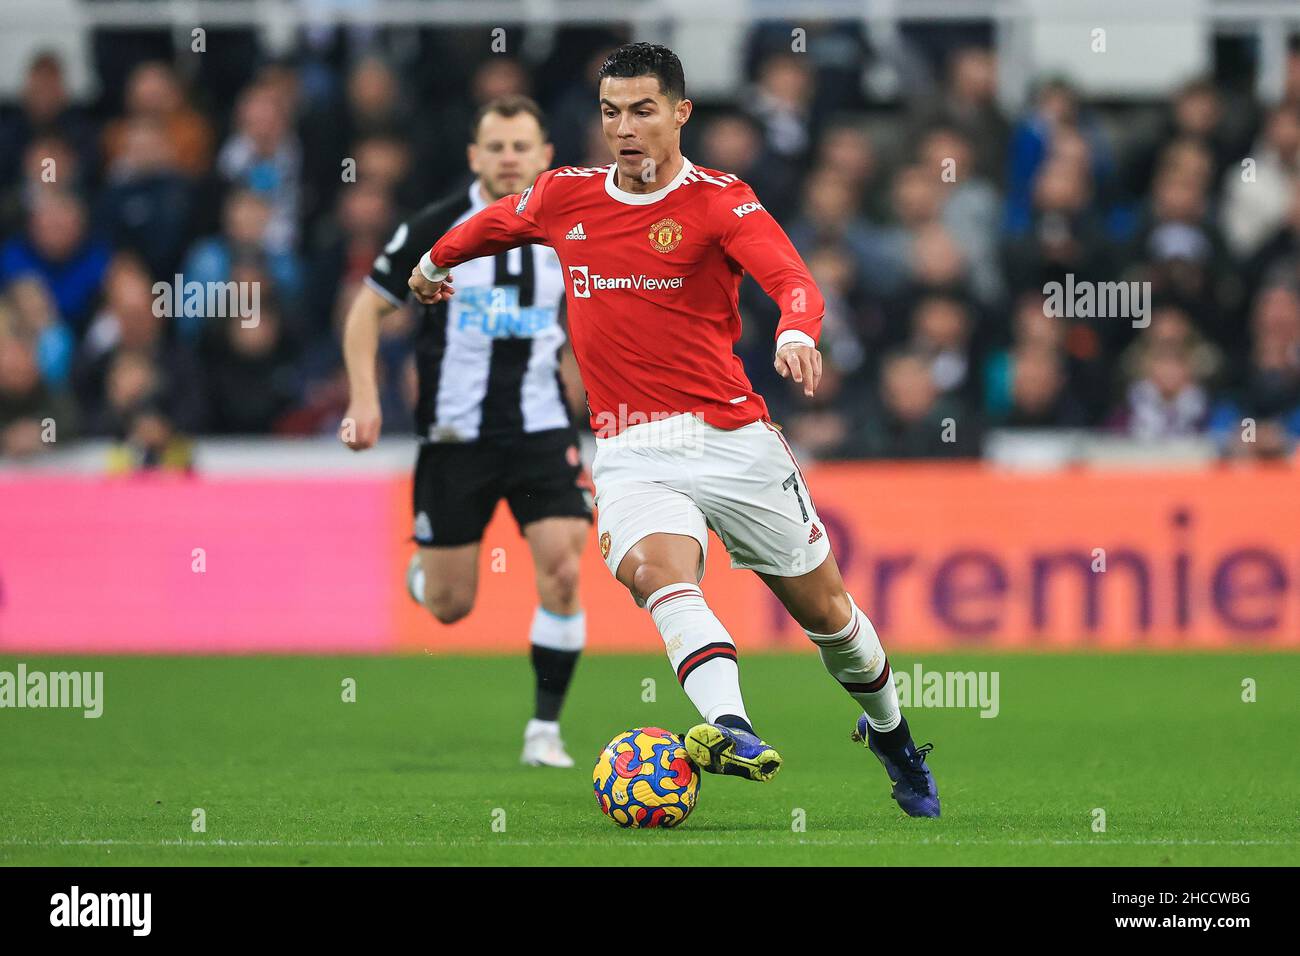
[{"x": 932, "y": 222}]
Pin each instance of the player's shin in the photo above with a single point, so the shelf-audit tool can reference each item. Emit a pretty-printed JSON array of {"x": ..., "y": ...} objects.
[
  {"x": 854, "y": 657},
  {"x": 557, "y": 641},
  {"x": 701, "y": 652}
]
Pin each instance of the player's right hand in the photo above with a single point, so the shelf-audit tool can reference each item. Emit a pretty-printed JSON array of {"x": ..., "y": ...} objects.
[
  {"x": 361, "y": 423},
  {"x": 430, "y": 293}
]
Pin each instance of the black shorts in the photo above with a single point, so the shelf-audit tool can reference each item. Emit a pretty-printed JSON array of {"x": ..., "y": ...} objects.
[{"x": 458, "y": 485}]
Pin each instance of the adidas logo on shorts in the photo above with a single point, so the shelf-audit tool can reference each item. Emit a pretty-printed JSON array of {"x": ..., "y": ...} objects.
[
  {"x": 815, "y": 534},
  {"x": 576, "y": 233}
]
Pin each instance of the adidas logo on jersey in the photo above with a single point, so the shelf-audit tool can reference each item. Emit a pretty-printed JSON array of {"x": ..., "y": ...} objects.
[{"x": 576, "y": 233}]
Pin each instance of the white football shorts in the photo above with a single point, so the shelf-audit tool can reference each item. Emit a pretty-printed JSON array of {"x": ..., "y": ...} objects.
[{"x": 680, "y": 475}]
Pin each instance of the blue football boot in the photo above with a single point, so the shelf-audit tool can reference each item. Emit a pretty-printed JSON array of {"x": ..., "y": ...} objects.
[
  {"x": 719, "y": 749},
  {"x": 914, "y": 786}
]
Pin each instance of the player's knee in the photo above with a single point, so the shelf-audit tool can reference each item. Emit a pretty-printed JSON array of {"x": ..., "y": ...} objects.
[
  {"x": 449, "y": 606},
  {"x": 649, "y": 576},
  {"x": 560, "y": 580},
  {"x": 825, "y": 614}
]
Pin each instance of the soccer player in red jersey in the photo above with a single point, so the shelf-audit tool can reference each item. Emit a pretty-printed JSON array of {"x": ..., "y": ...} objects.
[{"x": 653, "y": 249}]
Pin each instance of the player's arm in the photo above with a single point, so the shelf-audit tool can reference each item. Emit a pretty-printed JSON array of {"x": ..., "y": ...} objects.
[
  {"x": 363, "y": 419},
  {"x": 505, "y": 224},
  {"x": 754, "y": 240},
  {"x": 383, "y": 291}
]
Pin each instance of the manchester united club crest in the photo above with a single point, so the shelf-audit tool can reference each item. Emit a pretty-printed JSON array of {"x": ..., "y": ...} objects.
[
  {"x": 665, "y": 235},
  {"x": 604, "y": 545}
]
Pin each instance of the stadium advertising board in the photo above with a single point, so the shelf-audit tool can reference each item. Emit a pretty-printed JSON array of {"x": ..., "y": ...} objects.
[{"x": 940, "y": 556}]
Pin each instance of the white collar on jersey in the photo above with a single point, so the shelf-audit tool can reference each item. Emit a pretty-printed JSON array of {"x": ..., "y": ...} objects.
[
  {"x": 476, "y": 201},
  {"x": 644, "y": 199}
]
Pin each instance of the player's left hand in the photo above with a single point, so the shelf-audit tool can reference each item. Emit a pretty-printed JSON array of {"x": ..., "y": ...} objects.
[{"x": 803, "y": 363}]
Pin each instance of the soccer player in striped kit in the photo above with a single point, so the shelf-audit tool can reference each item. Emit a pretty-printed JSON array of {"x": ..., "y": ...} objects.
[
  {"x": 491, "y": 415},
  {"x": 653, "y": 249}
]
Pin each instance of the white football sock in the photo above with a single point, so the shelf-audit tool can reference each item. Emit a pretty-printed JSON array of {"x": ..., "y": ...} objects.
[
  {"x": 701, "y": 651},
  {"x": 854, "y": 656},
  {"x": 557, "y": 640},
  {"x": 559, "y": 632}
]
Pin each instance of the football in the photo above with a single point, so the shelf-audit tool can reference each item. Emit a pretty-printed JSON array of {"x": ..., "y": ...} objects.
[{"x": 644, "y": 778}]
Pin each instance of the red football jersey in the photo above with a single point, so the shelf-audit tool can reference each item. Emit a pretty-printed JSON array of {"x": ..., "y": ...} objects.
[{"x": 652, "y": 283}]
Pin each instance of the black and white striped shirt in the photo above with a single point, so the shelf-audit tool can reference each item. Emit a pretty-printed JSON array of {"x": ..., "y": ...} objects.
[{"x": 488, "y": 358}]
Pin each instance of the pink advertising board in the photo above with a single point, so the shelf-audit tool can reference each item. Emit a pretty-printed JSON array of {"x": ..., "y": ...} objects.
[{"x": 166, "y": 564}]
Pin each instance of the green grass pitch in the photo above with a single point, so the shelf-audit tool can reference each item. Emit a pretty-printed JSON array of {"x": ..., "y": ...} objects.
[{"x": 419, "y": 767}]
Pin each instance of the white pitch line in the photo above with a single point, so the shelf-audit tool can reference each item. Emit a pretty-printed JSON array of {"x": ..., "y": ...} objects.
[{"x": 445, "y": 844}]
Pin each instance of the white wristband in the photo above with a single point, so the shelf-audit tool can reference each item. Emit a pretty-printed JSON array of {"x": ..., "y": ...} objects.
[
  {"x": 796, "y": 337},
  {"x": 430, "y": 271}
]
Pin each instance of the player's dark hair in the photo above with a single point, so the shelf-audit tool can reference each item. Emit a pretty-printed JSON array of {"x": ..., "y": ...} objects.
[
  {"x": 647, "y": 59},
  {"x": 508, "y": 106}
]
